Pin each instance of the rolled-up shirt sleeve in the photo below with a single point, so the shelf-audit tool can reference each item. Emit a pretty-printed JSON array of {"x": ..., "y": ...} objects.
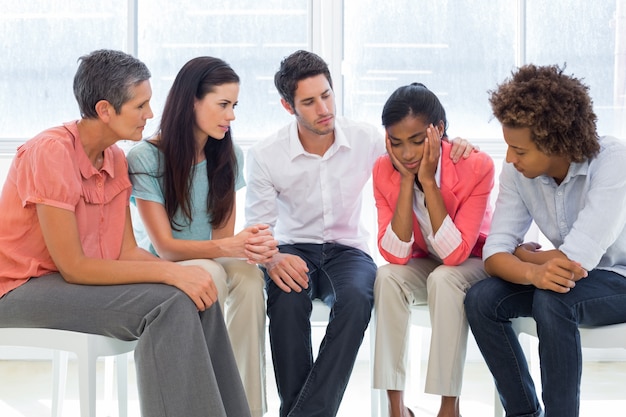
[
  {"x": 447, "y": 238},
  {"x": 261, "y": 195},
  {"x": 396, "y": 247},
  {"x": 595, "y": 237},
  {"x": 511, "y": 219}
]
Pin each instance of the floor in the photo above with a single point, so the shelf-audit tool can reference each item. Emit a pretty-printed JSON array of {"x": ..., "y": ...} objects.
[{"x": 25, "y": 390}]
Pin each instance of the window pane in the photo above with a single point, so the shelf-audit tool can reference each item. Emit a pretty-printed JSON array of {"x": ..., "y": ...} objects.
[
  {"x": 586, "y": 36},
  {"x": 458, "y": 49},
  {"x": 251, "y": 36},
  {"x": 41, "y": 42}
]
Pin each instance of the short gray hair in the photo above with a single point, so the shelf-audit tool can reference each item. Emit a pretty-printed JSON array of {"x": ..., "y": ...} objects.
[{"x": 106, "y": 75}]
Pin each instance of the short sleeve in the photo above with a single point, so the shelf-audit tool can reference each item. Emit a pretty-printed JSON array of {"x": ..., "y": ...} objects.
[
  {"x": 143, "y": 169},
  {"x": 240, "y": 181},
  {"x": 42, "y": 174}
]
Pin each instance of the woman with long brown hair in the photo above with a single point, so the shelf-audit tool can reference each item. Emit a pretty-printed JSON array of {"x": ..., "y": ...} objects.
[{"x": 185, "y": 180}]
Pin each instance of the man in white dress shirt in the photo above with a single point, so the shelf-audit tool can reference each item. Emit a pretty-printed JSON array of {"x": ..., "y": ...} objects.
[{"x": 306, "y": 182}]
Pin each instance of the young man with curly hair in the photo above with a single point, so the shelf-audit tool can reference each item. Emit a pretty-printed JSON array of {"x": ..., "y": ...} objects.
[{"x": 561, "y": 175}]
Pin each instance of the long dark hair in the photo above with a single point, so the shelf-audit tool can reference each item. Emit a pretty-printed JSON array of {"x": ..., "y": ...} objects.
[{"x": 196, "y": 78}]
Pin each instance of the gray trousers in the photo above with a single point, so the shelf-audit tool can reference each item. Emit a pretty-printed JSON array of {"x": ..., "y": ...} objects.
[{"x": 185, "y": 365}]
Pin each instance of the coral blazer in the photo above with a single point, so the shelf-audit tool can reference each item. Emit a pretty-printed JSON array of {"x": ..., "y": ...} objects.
[{"x": 466, "y": 189}]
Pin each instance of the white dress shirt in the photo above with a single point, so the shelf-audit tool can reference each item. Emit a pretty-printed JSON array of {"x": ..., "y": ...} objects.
[{"x": 307, "y": 198}]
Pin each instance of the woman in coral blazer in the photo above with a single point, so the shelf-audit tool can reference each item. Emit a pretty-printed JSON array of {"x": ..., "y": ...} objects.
[{"x": 433, "y": 217}]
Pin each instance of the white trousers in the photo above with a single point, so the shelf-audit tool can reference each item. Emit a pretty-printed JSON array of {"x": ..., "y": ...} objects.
[
  {"x": 241, "y": 294},
  {"x": 443, "y": 288}
]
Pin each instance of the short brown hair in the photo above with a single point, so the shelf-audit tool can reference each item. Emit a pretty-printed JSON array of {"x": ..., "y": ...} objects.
[{"x": 295, "y": 68}]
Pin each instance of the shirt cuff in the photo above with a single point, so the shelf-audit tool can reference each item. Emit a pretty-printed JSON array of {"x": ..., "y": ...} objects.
[
  {"x": 447, "y": 239},
  {"x": 392, "y": 244}
]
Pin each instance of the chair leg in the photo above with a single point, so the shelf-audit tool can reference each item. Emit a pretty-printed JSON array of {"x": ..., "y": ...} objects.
[
  {"x": 87, "y": 384},
  {"x": 384, "y": 403},
  {"x": 122, "y": 384},
  {"x": 59, "y": 380},
  {"x": 108, "y": 383},
  {"x": 498, "y": 410},
  {"x": 374, "y": 410},
  {"x": 121, "y": 363},
  {"x": 533, "y": 361}
]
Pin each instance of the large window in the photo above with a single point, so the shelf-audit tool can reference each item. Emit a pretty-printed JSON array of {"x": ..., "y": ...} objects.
[
  {"x": 456, "y": 48},
  {"x": 40, "y": 43},
  {"x": 591, "y": 38},
  {"x": 251, "y": 35},
  {"x": 460, "y": 49},
  {"x": 42, "y": 40}
]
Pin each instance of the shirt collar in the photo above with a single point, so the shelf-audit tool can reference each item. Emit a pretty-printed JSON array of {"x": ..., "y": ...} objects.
[
  {"x": 575, "y": 169},
  {"x": 296, "y": 149},
  {"x": 87, "y": 170}
]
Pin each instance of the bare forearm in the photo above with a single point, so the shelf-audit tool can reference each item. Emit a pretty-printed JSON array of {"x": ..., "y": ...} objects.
[
  {"x": 436, "y": 207},
  {"x": 402, "y": 220},
  {"x": 538, "y": 257},
  {"x": 508, "y": 267},
  {"x": 178, "y": 249},
  {"x": 89, "y": 271},
  {"x": 556, "y": 272}
]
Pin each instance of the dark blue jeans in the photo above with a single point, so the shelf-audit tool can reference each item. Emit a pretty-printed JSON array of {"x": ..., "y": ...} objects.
[
  {"x": 343, "y": 278},
  {"x": 599, "y": 299}
]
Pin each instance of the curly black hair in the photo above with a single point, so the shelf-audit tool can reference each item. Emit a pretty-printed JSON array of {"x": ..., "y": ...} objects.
[{"x": 555, "y": 107}]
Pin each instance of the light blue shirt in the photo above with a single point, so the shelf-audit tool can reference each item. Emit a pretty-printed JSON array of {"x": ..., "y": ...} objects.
[
  {"x": 145, "y": 158},
  {"x": 584, "y": 217}
]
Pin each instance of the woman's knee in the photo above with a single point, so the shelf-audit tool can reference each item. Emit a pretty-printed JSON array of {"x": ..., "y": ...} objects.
[
  {"x": 382, "y": 280},
  {"x": 217, "y": 273},
  {"x": 447, "y": 277},
  {"x": 242, "y": 274},
  {"x": 168, "y": 303},
  {"x": 387, "y": 279},
  {"x": 214, "y": 268}
]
